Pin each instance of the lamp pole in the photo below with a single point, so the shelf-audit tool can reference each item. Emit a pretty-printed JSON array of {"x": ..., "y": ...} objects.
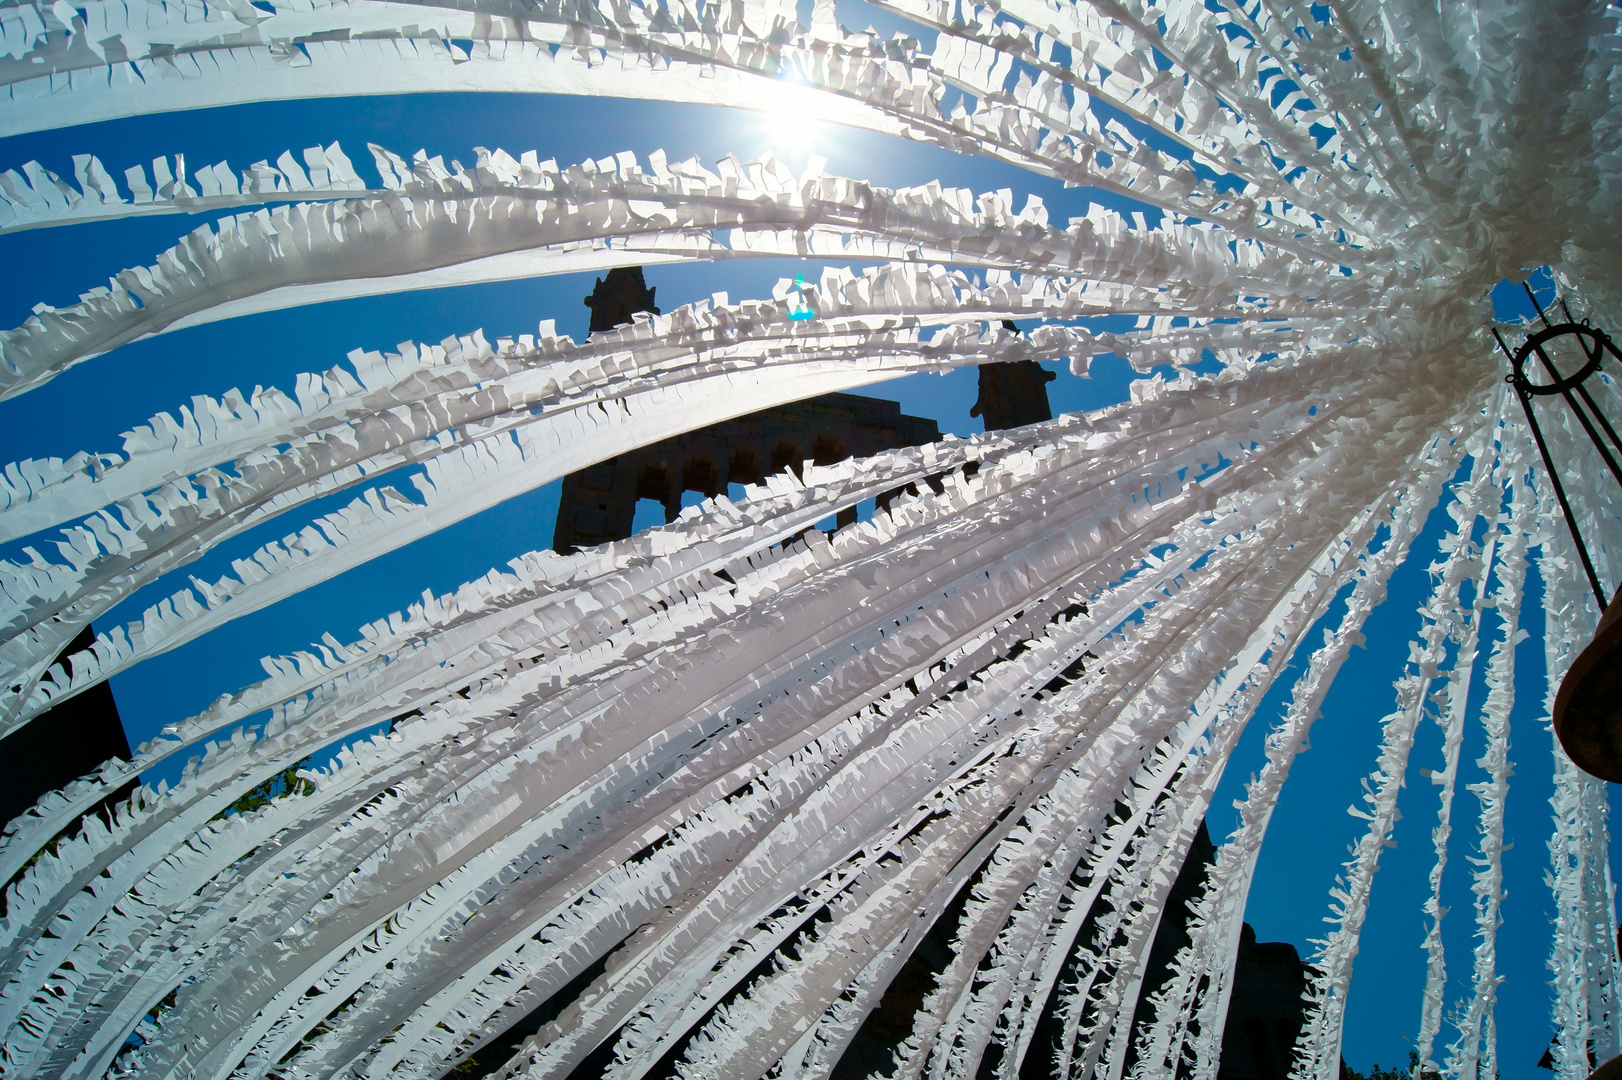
[{"x": 1588, "y": 707}]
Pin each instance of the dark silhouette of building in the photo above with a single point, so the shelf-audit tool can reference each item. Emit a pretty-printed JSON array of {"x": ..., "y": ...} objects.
[
  {"x": 1013, "y": 394},
  {"x": 618, "y": 296},
  {"x": 1265, "y": 1009},
  {"x": 1172, "y": 933},
  {"x": 873, "y": 1049},
  {"x": 598, "y": 504},
  {"x": 61, "y": 744}
]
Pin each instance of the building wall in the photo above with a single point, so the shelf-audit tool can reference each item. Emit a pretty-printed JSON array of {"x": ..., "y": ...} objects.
[
  {"x": 1266, "y": 1008},
  {"x": 598, "y": 504},
  {"x": 61, "y": 744}
]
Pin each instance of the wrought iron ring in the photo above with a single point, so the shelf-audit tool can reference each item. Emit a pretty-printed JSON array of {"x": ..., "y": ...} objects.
[{"x": 1601, "y": 344}]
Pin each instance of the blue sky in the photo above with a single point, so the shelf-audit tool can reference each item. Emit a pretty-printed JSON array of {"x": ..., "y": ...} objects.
[{"x": 88, "y": 407}]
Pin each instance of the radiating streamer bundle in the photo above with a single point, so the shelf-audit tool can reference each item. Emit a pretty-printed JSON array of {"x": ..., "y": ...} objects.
[{"x": 707, "y": 801}]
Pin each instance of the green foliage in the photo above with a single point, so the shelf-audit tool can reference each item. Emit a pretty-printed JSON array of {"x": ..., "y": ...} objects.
[
  {"x": 163, "y": 1006},
  {"x": 287, "y": 782},
  {"x": 1393, "y": 1073}
]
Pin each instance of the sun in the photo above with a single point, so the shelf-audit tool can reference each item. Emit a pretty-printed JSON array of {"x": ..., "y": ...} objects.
[{"x": 794, "y": 117}]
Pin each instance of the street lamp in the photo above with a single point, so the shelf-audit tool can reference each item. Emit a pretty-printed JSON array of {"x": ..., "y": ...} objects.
[{"x": 1588, "y": 707}]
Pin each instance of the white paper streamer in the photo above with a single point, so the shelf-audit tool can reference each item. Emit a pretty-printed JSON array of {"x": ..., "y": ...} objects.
[{"x": 729, "y": 773}]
